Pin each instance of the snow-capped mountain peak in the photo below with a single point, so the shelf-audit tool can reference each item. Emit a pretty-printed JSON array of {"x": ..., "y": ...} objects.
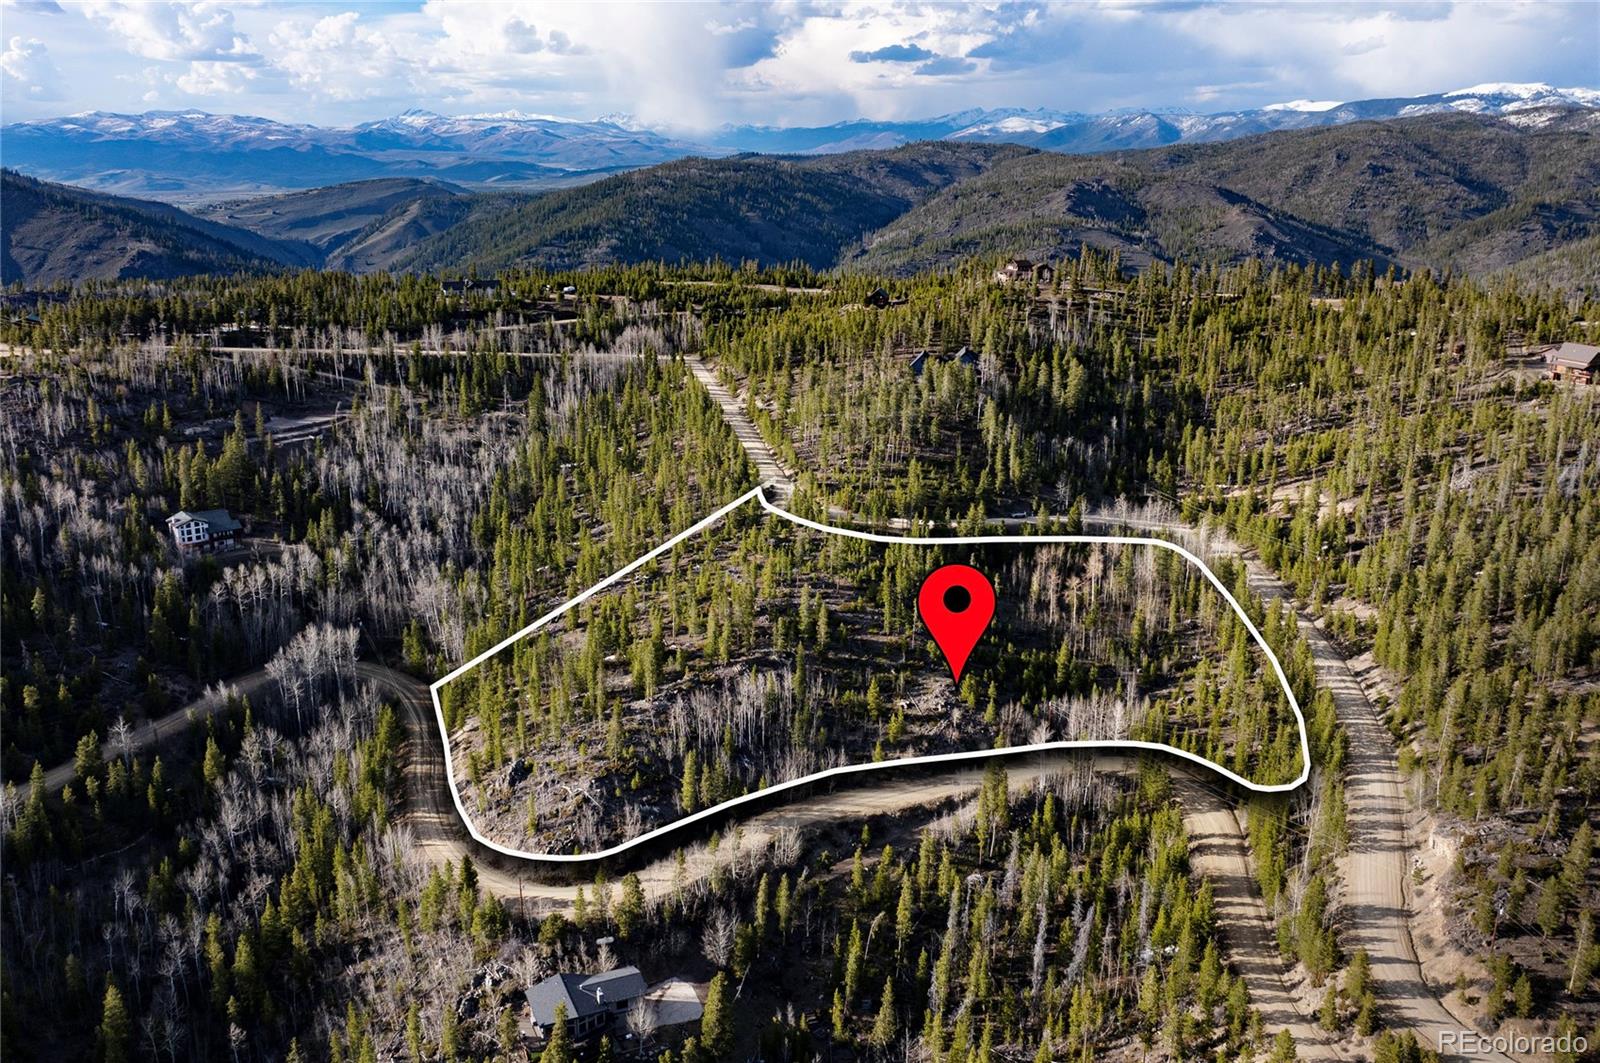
[
  {"x": 1525, "y": 90},
  {"x": 187, "y": 153},
  {"x": 1304, "y": 106}
]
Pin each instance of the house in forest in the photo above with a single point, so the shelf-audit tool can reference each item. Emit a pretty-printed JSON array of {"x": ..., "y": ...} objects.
[
  {"x": 1578, "y": 362},
  {"x": 465, "y": 286},
  {"x": 1020, "y": 269},
  {"x": 592, "y": 1001},
  {"x": 204, "y": 531},
  {"x": 877, "y": 298},
  {"x": 965, "y": 356}
]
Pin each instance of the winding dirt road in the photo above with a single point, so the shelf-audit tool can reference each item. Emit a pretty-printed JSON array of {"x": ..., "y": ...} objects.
[
  {"x": 1376, "y": 896},
  {"x": 1218, "y": 844},
  {"x": 1374, "y": 871},
  {"x": 150, "y": 732},
  {"x": 1218, "y": 850}
]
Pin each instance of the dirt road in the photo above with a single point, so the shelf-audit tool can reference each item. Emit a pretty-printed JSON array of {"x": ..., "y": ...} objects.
[
  {"x": 1218, "y": 848},
  {"x": 1376, "y": 893},
  {"x": 768, "y": 469},
  {"x": 1219, "y": 851},
  {"x": 440, "y": 834},
  {"x": 1377, "y": 896},
  {"x": 150, "y": 732}
]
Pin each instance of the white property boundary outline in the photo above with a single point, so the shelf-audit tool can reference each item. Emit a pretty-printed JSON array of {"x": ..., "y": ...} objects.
[{"x": 759, "y": 493}]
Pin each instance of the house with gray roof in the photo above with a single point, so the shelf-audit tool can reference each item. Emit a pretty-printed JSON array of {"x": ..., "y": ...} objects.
[
  {"x": 204, "y": 531},
  {"x": 593, "y": 1001},
  {"x": 965, "y": 356},
  {"x": 1579, "y": 362}
]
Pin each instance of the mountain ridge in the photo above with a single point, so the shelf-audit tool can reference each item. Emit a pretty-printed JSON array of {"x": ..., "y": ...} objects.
[
  {"x": 1431, "y": 191},
  {"x": 57, "y": 233},
  {"x": 193, "y": 156},
  {"x": 1460, "y": 191}
]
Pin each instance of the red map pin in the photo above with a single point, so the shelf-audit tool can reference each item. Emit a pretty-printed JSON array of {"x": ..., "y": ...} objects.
[{"x": 957, "y": 603}]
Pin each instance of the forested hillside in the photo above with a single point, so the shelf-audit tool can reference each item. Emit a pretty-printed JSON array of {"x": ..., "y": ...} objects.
[
  {"x": 419, "y": 475},
  {"x": 1462, "y": 192},
  {"x": 55, "y": 233},
  {"x": 1467, "y": 193},
  {"x": 769, "y": 209},
  {"x": 1390, "y": 448},
  {"x": 361, "y": 227}
]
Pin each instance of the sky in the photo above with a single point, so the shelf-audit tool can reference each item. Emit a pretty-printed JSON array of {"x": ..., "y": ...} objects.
[{"x": 695, "y": 66}]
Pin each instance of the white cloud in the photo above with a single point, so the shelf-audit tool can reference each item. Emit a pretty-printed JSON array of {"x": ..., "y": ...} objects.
[
  {"x": 210, "y": 78},
  {"x": 694, "y": 65},
  {"x": 175, "y": 31},
  {"x": 338, "y": 57},
  {"x": 1349, "y": 51},
  {"x": 26, "y": 64}
]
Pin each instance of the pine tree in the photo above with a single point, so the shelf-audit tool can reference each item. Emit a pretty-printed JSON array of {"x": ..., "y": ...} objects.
[
  {"x": 1328, "y": 1015},
  {"x": 447, "y": 1032},
  {"x": 414, "y": 1032},
  {"x": 1366, "y": 1014},
  {"x": 558, "y": 1047},
  {"x": 215, "y": 764},
  {"x": 763, "y": 906},
  {"x": 904, "y": 915},
  {"x": 883, "y": 1029},
  {"x": 115, "y": 1035},
  {"x": 716, "y": 1024},
  {"x": 841, "y": 1017},
  {"x": 1551, "y": 910},
  {"x": 508, "y": 1032},
  {"x": 629, "y": 909},
  {"x": 217, "y": 962},
  {"x": 854, "y": 962},
  {"x": 1583, "y": 955}
]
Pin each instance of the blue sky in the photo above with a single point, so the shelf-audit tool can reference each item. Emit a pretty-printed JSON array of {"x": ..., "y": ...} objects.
[{"x": 693, "y": 66}]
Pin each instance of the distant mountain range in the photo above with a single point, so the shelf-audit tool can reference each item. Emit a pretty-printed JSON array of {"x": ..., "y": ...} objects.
[
  {"x": 1076, "y": 133},
  {"x": 192, "y": 156},
  {"x": 1472, "y": 192},
  {"x": 1467, "y": 191}
]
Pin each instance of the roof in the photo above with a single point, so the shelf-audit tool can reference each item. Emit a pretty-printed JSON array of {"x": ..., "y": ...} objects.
[
  {"x": 624, "y": 982},
  {"x": 583, "y": 994},
  {"x": 965, "y": 356},
  {"x": 218, "y": 519},
  {"x": 1574, "y": 355}
]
